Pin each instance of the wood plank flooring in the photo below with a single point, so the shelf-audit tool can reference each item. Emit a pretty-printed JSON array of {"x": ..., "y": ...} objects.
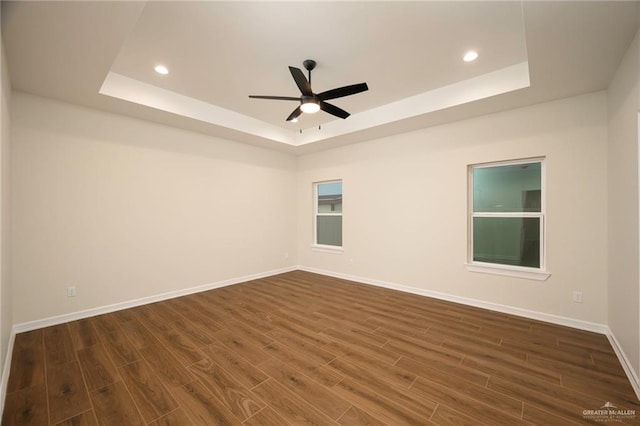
[{"x": 300, "y": 348}]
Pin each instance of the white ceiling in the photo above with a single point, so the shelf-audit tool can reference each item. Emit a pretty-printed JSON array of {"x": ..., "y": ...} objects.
[{"x": 102, "y": 54}]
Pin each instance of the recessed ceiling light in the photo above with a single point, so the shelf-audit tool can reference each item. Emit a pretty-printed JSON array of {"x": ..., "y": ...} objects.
[
  {"x": 161, "y": 69},
  {"x": 470, "y": 56},
  {"x": 293, "y": 120}
]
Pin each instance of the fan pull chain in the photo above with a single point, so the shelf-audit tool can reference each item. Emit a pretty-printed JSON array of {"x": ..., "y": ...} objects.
[{"x": 319, "y": 128}]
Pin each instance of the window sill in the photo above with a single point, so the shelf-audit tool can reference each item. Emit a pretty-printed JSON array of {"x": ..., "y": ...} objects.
[
  {"x": 529, "y": 274},
  {"x": 327, "y": 249}
]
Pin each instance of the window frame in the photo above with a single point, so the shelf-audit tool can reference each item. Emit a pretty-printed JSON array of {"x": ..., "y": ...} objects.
[
  {"x": 472, "y": 265},
  {"x": 315, "y": 245}
]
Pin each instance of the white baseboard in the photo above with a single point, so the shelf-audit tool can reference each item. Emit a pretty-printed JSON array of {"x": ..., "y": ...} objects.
[
  {"x": 73, "y": 316},
  {"x": 4, "y": 382},
  {"x": 540, "y": 316},
  {"x": 624, "y": 361}
]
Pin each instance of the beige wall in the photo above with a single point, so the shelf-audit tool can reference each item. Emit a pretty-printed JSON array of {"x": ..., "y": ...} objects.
[
  {"x": 624, "y": 279},
  {"x": 6, "y": 314},
  {"x": 125, "y": 209},
  {"x": 405, "y": 206}
]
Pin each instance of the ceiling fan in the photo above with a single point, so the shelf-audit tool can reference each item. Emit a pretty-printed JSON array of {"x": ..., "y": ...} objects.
[{"x": 311, "y": 102}]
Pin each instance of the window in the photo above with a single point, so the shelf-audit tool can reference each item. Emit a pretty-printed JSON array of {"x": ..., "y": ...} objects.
[
  {"x": 328, "y": 213},
  {"x": 506, "y": 221}
]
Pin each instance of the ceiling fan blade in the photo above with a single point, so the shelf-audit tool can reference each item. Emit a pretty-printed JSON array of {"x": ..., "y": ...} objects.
[
  {"x": 301, "y": 81},
  {"x": 343, "y": 91},
  {"x": 295, "y": 114},
  {"x": 277, "y": 98},
  {"x": 333, "y": 110}
]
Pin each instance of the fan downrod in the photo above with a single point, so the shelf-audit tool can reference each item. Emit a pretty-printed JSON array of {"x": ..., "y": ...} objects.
[{"x": 309, "y": 65}]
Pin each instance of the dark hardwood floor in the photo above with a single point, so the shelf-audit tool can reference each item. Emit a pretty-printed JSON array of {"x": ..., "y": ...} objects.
[{"x": 300, "y": 348}]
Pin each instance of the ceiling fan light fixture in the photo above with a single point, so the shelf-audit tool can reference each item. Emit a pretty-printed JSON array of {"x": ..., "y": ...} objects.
[
  {"x": 310, "y": 102},
  {"x": 310, "y": 106}
]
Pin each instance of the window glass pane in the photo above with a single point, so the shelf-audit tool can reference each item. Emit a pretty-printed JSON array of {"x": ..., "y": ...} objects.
[
  {"x": 511, "y": 188},
  {"x": 329, "y": 230},
  {"x": 330, "y": 197},
  {"x": 507, "y": 240}
]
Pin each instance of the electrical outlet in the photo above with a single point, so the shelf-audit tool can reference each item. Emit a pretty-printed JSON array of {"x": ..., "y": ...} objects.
[
  {"x": 577, "y": 297},
  {"x": 71, "y": 291}
]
